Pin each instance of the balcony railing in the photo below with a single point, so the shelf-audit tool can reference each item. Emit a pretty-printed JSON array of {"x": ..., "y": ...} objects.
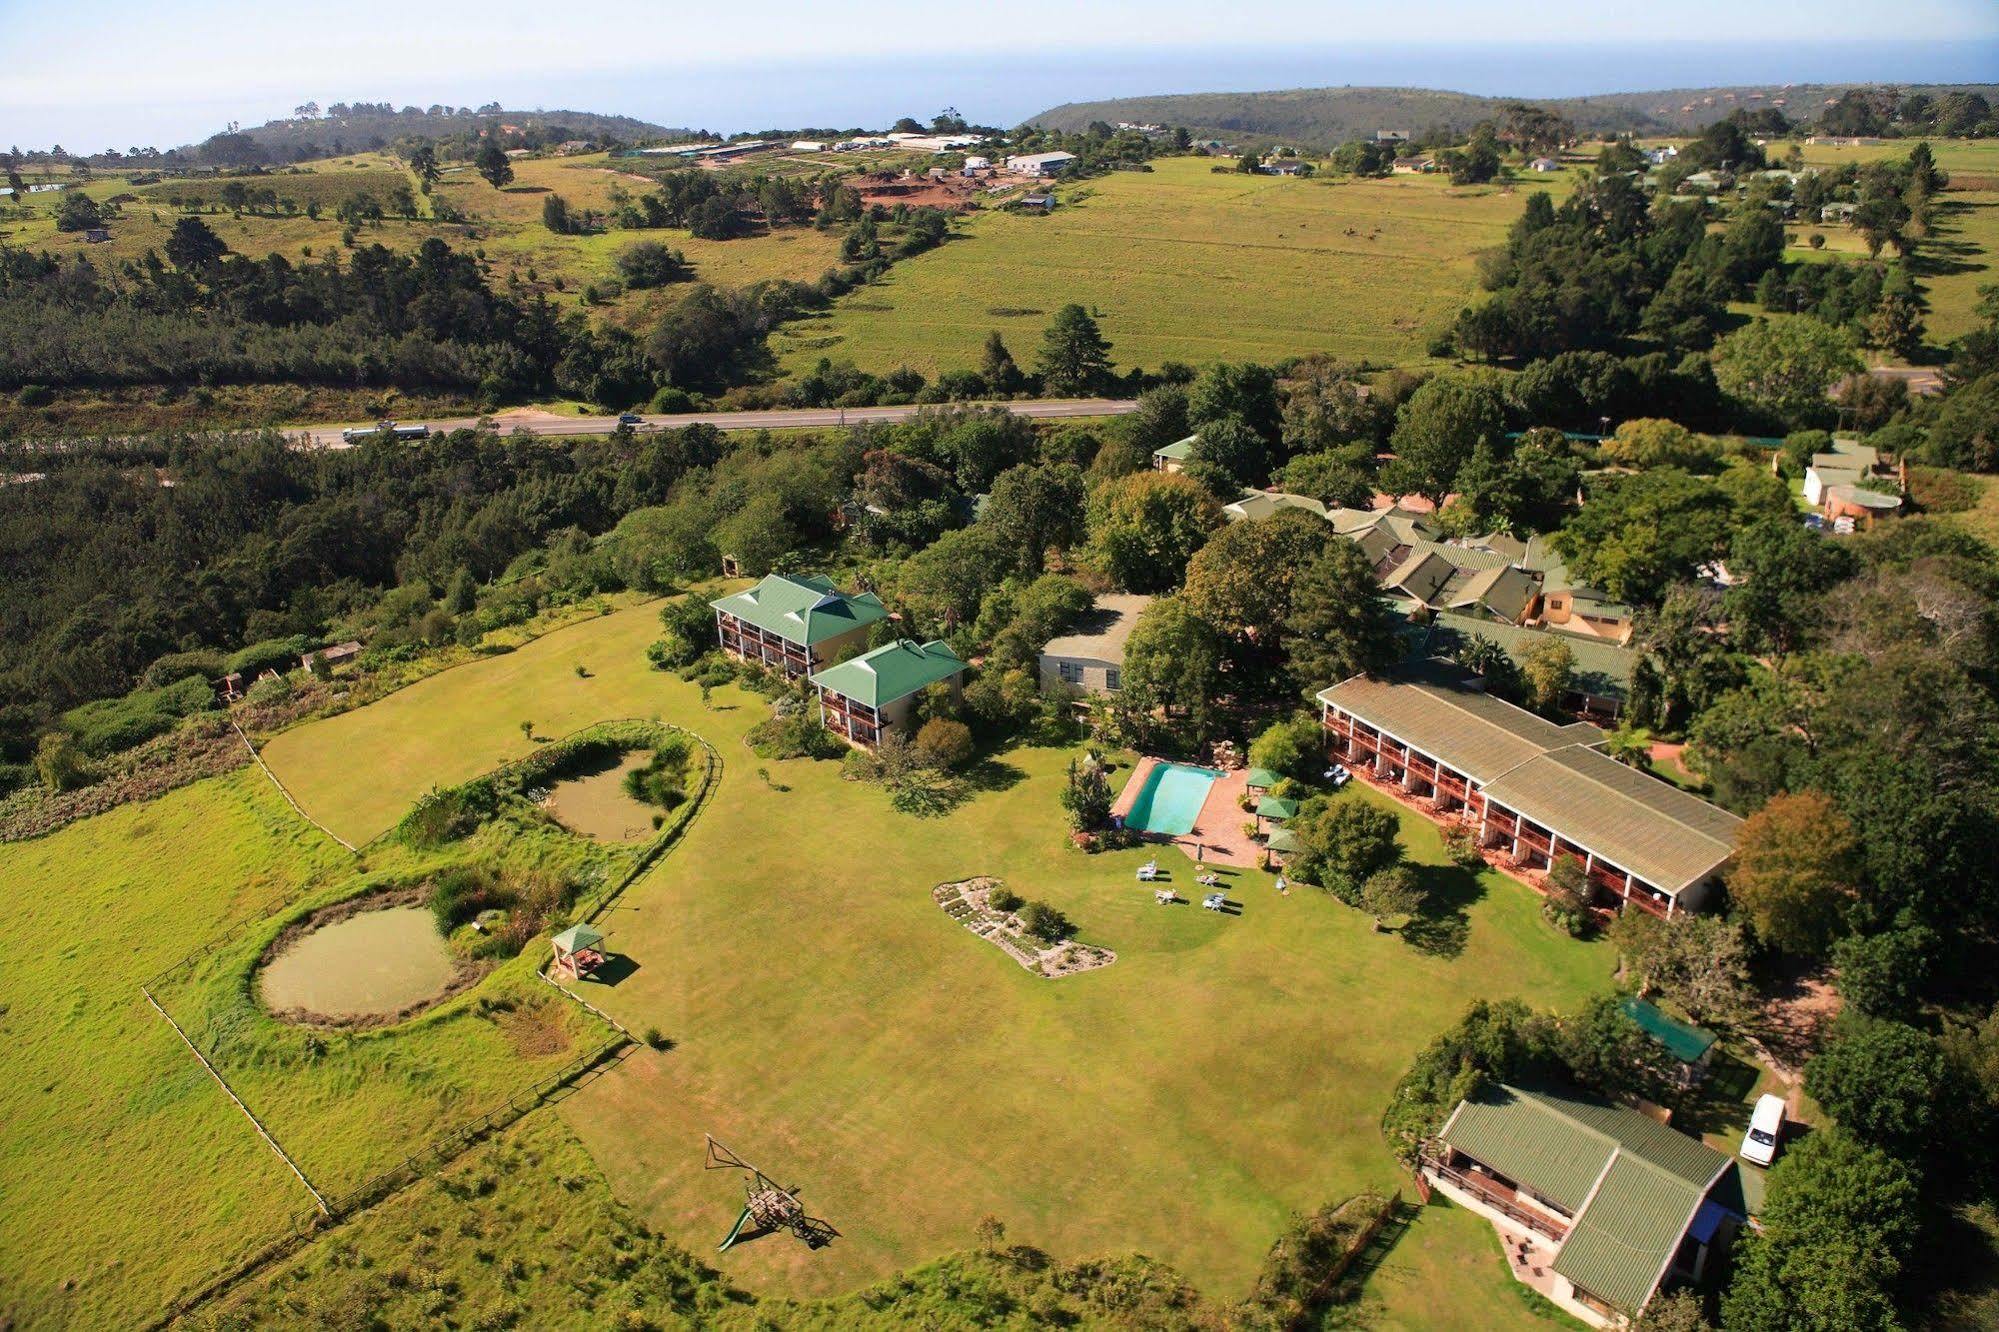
[{"x": 1502, "y": 1200}]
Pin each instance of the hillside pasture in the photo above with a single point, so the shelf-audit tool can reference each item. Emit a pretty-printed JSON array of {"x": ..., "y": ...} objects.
[{"x": 1183, "y": 263}]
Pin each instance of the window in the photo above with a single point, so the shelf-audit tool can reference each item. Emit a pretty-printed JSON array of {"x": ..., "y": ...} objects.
[
  {"x": 1071, "y": 672},
  {"x": 1113, "y": 679}
]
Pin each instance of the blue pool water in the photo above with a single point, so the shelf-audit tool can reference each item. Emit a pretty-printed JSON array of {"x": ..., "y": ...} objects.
[{"x": 1171, "y": 798}]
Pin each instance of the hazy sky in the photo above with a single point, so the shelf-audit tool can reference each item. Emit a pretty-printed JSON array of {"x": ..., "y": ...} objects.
[{"x": 117, "y": 72}]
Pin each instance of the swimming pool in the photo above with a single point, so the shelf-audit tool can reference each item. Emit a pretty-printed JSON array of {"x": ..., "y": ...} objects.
[{"x": 1171, "y": 798}]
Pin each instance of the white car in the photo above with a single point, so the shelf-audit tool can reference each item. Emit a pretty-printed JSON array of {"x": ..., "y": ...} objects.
[
  {"x": 1766, "y": 1126},
  {"x": 1338, "y": 775}
]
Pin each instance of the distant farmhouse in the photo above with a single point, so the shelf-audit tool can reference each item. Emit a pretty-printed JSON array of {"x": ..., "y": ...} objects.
[
  {"x": 1040, "y": 165},
  {"x": 1852, "y": 485}
]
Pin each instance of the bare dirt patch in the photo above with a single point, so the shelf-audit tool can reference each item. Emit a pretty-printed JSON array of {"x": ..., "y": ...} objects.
[
  {"x": 535, "y": 1030},
  {"x": 969, "y": 902}
]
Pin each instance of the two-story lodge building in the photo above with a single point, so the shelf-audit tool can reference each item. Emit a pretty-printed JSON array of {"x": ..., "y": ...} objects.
[
  {"x": 795, "y": 623},
  {"x": 1531, "y": 789}
]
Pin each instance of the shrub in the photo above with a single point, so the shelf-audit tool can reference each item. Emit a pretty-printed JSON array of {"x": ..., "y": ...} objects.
[
  {"x": 177, "y": 666},
  {"x": 662, "y": 780},
  {"x": 1045, "y": 923},
  {"x": 270, "y": 689},
  {"x": 670, "y": 652},
  {"x": 458, "y": 895},
  {"x": 1567, "y": 902},
  {"x": 944, "y": 744},
  {"x": 109, "y": 725},
  {"x": 795, "y": 735},
  {"x": 1006, "y": 899},
  {"x": 271, "y": 654},
  {"x": 446, "y": 816},
  {"x": 61, "y": 765}
]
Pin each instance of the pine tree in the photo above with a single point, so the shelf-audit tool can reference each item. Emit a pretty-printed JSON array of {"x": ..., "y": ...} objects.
[{"x": 1075, "y": 358}]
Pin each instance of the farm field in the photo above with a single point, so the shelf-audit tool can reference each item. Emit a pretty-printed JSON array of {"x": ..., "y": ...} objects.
[
  {"x": 506, "y": 224},
  {"x": 1182, "y": 263},
  {"x": 833, "y": 1025}
]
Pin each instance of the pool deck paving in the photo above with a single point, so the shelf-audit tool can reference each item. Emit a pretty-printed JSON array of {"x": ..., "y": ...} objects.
[{"x": 1217, "y": 836}]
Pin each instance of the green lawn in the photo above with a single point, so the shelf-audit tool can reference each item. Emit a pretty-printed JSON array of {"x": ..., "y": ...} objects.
[
  {"x": 126, "y": 1172},
  {"x": 837, "y": 1027},
  {"x": 1183, "y": 264}
]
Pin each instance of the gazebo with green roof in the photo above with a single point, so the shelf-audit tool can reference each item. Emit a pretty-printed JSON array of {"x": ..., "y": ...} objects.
[
  {"x": 1261, "y": 779},
  {"x": 864, "y": 698},
  {"x": 579, "y": 950},
  {"x": 795, "y": 623},
  {"x": 1275, "y": 808}
]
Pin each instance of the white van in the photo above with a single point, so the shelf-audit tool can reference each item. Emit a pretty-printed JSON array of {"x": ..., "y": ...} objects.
[{"x": 1766, "y": 1125}]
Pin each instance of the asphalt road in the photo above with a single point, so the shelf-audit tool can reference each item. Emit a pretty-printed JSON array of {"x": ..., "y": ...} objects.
[{"x": 549, "y": 423}]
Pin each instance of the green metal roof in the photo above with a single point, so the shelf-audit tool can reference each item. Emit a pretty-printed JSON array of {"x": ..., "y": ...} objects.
[
  {"x": 1631, "y": 1184},
  {"x": 892, "y": 671},
  {"x": 1276, "y": 807},
  {"x": 1262, "y": 777},
  {"x": 1686, "y": 1043},
  {"x": 577, "y": 936},
  {"x": 1179, "y": 450},
  {"x": 1281, "y": 839},
  {"x": 803, "y": 608}
]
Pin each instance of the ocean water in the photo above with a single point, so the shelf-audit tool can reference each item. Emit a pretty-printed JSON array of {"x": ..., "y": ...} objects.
[{"x": 1002, "y": 84}]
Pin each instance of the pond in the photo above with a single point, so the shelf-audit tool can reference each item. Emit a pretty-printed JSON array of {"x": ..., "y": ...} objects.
[
  {"x": 595, "y": 804},
  {"x": 373, "y": 964}
]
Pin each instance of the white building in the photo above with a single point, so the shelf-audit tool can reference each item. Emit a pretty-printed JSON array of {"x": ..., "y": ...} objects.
[
  {"x": 808, "y": 146},
  {"x": 974, "y": 165},
  {"x": 1040, "y": 164}
]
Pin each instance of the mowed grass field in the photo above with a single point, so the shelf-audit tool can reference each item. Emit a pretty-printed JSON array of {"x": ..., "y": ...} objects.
[
  {"x": 127, "y": 1174},
  {"x": 832, "y": 1024},
  {"x": 1183, "y": 263}
]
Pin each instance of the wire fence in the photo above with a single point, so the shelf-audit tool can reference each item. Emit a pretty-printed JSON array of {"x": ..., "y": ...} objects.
[
  {"x": 306, "y": 1225},
  {"x": 329, "y": 1210}
]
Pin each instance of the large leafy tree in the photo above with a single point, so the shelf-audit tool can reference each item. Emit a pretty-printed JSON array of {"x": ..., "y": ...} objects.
[
  {"x": 1145, "y": 527},
  {"x": 1783, "y": 568},
  {"x": 1438, "y": 428},
  {"x": 1036, "y": 509},
  {"x": 1075, "y": 358},
  {"x": 1338, "y": 625},
  {"x": 1839, "y": 1222},
  {"x": 1786, "y": 365},
  {"x": 1637, "y": 534},
  {"x": 1343, "y": 843},
  {"x": 1246, "y": 392},
  {"x": 1173, "y": 660},
  {"x": 1881, "y": 1081},
  {"x": 491, "y": 162},
  {"x": 1794, "y": 871},
  {"x": 1241, "y": 580}
]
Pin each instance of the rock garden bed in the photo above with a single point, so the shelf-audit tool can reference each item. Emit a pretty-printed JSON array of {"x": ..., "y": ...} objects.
[{"x": 970, "y": 903}]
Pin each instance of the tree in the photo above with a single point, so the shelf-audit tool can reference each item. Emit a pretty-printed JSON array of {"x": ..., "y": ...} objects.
[
  {"x": 1785, "y": 365},
  {"x": 1638, "y": 533},
  {"x": 1087, "y": 797},
  {"x": 1838, "y": 1221},
  {"x": 1173, "y": 660},
  {"x": 1075, "y": 360},
  {"x": 1611, "y": 1054},
  {"x": 1547, "y": 669},
  {"x": 77, "y": 211},
  {"x": 1240, "y": 580},
  {"x": 61, "y": 764},
  {"x": 1045, "y": 923},
  {"x": 491, "y": 162},
  {"x": 1700, "y": 963},
  {"x": 193, "y": 247},
  {"x": 1391, "y": 893},
  {"x": 1880, "y": 1081},
  {"x": 1289, "y": 748},
  {"x": 943, "y": 743},
  {"x": 1339, "y": 624},
  {"x": 1629, "y": 745},
  {"x": 1673, "y": 1311},
  {"x": 1341, "y": 478},
  {"x": 1145, "y": 527},
  {"x": 1229, "y": 445},
  {"x": 650, "y": 264},
  {"x": 759, "y": 535},
  {"x": 996, "y": 367},
  {"x": 1244, "y": 392},
  {"x": 555, "y": 215},
  {"x": 1035, "y": 509},
  {"x": 423, "y": 165},
  {"x": 1794, "y": 871},
  {"x": 1438, "y": 428},
  {"x": 1648, "y": 442},
  {"x": 1882, "y": 975},
  {"x": 1344, "y": 842}
]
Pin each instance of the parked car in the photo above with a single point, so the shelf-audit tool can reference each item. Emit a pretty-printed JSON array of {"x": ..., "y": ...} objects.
[
  {"x": 1338, "y": 775},
  {"x": 1766, "y": 1126},
  {"x": 630, "y": 419}
]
